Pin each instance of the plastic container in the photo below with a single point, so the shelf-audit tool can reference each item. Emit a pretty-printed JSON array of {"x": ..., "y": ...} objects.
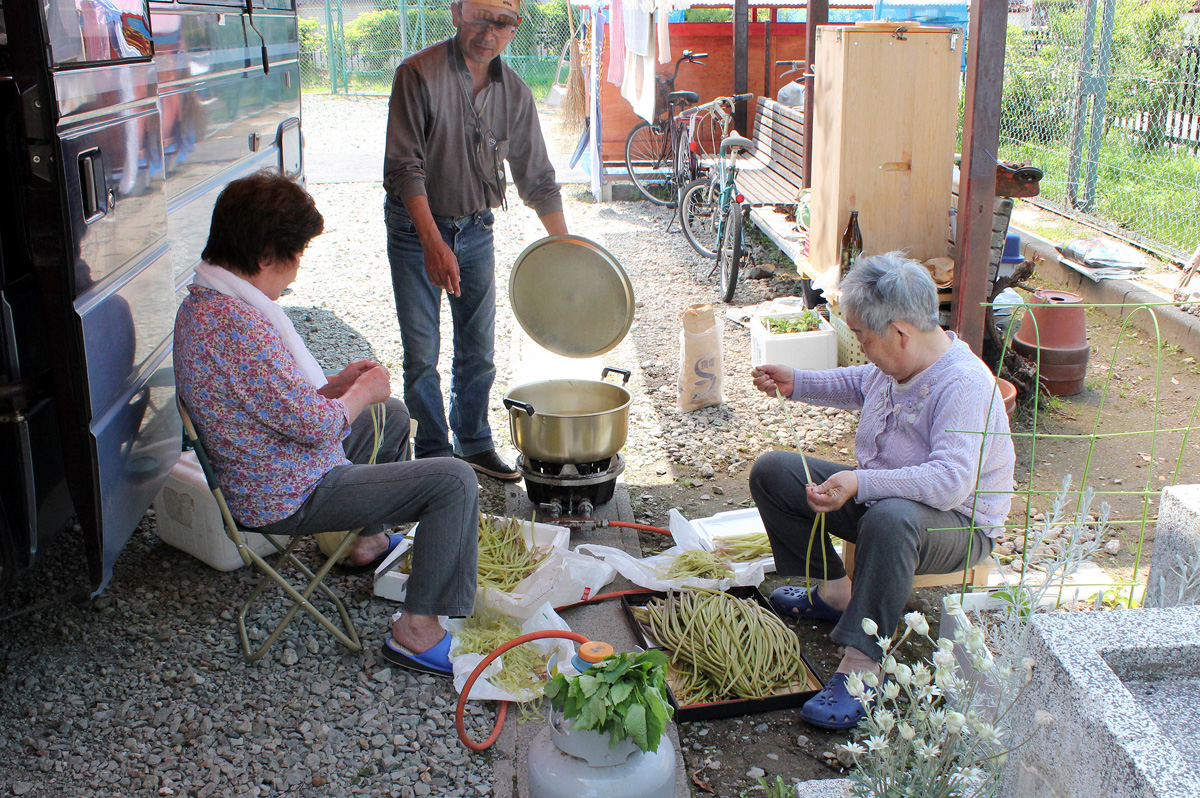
[
  {"x": 1011, "y": 257},
  {"x": 811, "y": 351},
  {"x": 391, "y": 583},
  {"x": 190, "y": 520}
]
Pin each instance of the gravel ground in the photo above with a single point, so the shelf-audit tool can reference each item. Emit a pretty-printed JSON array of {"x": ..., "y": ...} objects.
[{"x": 144, "y": 692}]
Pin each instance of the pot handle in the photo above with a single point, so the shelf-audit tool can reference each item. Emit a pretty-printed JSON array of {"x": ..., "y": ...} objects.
[
  {"x": 513, "y": 404},
  {"x": 607, "y": 369}
]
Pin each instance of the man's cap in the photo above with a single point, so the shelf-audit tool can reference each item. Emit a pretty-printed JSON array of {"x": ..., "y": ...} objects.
[{"x": 510, "y": 7}]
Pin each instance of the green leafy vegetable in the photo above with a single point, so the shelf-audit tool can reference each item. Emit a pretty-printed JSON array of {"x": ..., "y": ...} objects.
[
  {"x": 806, "y": 321},
  {"x": 623, "y": 695}
]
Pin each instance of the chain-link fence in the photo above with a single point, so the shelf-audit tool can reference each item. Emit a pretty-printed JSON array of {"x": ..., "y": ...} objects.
[
  {"x": 1102, "y": 95},
  {"x": 354, "y": 46}
]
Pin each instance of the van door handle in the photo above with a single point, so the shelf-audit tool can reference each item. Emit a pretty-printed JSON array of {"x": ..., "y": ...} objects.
[{"x": 92, "y": 185}]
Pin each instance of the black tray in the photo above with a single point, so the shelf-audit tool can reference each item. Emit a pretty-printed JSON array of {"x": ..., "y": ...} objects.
[{"x": 723, "y": 709}]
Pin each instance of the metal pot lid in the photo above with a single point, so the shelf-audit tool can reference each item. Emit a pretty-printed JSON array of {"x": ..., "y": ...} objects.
[{"x": 571, "y": 296}]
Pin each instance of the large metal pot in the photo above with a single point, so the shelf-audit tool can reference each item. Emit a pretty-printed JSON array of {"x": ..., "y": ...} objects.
[{"x": 569, "y": 421}]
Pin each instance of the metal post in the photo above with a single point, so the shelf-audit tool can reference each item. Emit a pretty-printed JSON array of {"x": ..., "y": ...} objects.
[
  {"x": 1099, "y": 104},
  {"x": 403, "y": 9},
  {"x": 818, "y": 14},
  {"x": 1083, "y": 91},
  {"x": 741, "y": 60},
  {"x": 329, "y": 45},
  {"x": 341, "y": 26},
  {"x": 977, "y": 179}
]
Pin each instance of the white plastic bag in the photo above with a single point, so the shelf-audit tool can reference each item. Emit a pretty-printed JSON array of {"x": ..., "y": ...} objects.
[
  {"x": 648, "y": 572},
  {"x": 563, "y": 578},
  {"x": 703, "y": 533},
  {"x": 701, "y": 359},
  {"x": 541, "y": 619}
]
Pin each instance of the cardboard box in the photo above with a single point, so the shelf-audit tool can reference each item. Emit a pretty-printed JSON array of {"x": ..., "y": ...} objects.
[
  {"x": 811, "y": 351},
  {"x": 189, "y": 519}
]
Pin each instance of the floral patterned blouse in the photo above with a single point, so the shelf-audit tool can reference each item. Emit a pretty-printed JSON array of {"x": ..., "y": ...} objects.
[{"x": 271, "y": 437}]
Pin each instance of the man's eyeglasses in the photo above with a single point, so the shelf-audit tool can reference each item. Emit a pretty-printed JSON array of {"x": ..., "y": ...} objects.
[{"x": 483, "y": 22}]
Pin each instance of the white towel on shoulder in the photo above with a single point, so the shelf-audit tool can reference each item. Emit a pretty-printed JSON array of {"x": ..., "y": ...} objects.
[{"x": 226, "y": 282}]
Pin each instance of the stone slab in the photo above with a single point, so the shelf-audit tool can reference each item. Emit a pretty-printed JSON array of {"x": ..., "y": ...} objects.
[
  {"x": 823, "y": 788},
  {"x": 1176, "y": 537},
  {"x": 1094, "y": 673},
  {"x": 604, "y": 621}
]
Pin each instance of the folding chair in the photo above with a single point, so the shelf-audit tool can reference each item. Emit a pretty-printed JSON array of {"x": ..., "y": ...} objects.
[{"x": 348, "y": 635}]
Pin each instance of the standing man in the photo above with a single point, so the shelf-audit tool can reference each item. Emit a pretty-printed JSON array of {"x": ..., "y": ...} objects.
[{"x": 458, "y": 112}]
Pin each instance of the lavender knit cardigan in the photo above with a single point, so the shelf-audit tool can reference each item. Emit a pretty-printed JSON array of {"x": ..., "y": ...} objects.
[{"x": 905, "y": 445}]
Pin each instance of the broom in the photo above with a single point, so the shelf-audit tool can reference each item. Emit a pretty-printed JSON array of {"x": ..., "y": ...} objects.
[{"x": 574, "y": 104}]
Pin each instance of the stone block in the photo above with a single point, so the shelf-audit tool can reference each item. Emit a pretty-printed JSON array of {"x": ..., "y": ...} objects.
[
  {"x": 1176, "y": 537},
  {"x": 1124, "y": 690}
]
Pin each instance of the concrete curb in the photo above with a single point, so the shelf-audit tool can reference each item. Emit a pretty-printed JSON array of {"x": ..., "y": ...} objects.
[{"x": 1175, "y": 326}]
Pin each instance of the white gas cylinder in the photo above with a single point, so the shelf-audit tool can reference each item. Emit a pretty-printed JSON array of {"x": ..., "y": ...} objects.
[{"x": 566, "y": 763}]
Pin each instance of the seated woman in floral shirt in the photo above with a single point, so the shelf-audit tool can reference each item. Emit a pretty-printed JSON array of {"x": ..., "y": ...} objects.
[{"x": 291, "y": 446}]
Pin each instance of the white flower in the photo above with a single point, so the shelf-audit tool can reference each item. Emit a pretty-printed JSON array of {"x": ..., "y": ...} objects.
[
  {"x": 944, "y": 644},
  {"x": 891, "y": 690},
  {"x": 987, "y": 732},
  {"x": 1028, "y": 662},
  {"x": 955, "y": 721},
  {"x": 884, "y": 719},
  {"x": 889, "y": 664},
  {"x": 855, "y": 749},
  {"x": 871, "y": 679},
  {"x": 952, "y": 604},
  {"x": 903, "y": 674},
  {"x": 943, "y": 661},
  {"x": 1042, "y": 718},
  {"x": 916, "y": 621},
  {"x": 877, "y": 742},
  {"x": 985, "y": 665},
  {"x": 870, "y": 627},
  {"x": 921, "y": 675},
  {"x": 927, "y": 751},
  {"x": 907, "y": 732},
  {"x": 937, "y": 718},
  {"x": 854, "y": 685}
]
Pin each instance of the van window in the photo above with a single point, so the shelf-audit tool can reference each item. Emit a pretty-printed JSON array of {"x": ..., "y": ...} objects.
[{"x": 90, "y": 31}]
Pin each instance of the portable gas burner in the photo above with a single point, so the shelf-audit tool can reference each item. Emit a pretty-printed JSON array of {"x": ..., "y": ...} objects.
[{"x": 570, "y": 488}]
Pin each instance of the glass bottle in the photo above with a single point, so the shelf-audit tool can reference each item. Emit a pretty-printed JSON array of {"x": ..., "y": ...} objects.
[{"x": 852, "y": 245}]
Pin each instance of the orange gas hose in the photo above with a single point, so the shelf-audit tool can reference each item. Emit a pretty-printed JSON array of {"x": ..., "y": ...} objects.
[
  {"x": 642, "y": 527},
  {"x": 459, "y": 725}
]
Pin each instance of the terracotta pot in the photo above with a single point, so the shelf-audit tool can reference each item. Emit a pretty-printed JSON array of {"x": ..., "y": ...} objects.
[
  {"x": 1058, "y": 344},
  {"x": 1060, "y": 321},
  {"x": 1008, "y": 394}
]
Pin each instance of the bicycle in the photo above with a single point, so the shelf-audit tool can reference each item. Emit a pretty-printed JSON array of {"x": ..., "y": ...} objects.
[
  {"x": 704, "y": 123},
  {"x": 712, "y": 214},
  {"x": 696, "y": 222},
  {"x": 650, "y": 148}
]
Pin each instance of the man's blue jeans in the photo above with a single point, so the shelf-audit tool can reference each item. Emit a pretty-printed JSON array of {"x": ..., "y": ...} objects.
[{"x": 418, "y": 305}]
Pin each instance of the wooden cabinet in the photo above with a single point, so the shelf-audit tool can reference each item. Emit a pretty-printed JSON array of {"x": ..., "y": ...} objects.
[{"x": 885, "y": 110}]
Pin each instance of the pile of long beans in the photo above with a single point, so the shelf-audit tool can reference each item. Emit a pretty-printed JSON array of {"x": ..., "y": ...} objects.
[
  {"x": 524, "y": 667},
  {"x": 699, "y": 564},
  {"x": 746, "y": 547},
  {"x": 722, "y": 647},
  {"x": 504, "y": 557}
]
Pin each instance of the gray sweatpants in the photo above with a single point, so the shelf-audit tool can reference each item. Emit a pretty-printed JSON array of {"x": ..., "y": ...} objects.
[
  {"x": 894, "y": 540},
  {"x": 440, "y": 493}
]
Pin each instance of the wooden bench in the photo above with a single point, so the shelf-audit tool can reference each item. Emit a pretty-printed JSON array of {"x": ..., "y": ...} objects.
[{"x": 773, "y": 173}]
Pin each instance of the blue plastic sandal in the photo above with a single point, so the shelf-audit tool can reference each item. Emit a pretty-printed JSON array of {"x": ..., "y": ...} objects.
[
  {"x": 435, "y": 661},
  {"x": 800, "y": 602},
  {"x": 833, "y": 708}
]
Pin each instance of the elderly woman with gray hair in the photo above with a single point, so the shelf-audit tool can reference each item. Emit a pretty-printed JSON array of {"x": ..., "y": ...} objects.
[{"x": 930, "y": 492}]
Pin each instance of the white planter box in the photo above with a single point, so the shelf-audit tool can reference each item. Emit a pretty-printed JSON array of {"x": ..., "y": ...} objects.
[
  {"x": 393, "y": 584},
  {"x": 811, "y": 351}
]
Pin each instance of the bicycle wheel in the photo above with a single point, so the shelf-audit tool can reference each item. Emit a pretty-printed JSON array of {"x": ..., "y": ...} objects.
[
  {"x": 651, "y": 163},
  {"x": 685, "y": 161},
  {"x": 729, "y": 257},
  {"x": 698, "y": 217}
]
